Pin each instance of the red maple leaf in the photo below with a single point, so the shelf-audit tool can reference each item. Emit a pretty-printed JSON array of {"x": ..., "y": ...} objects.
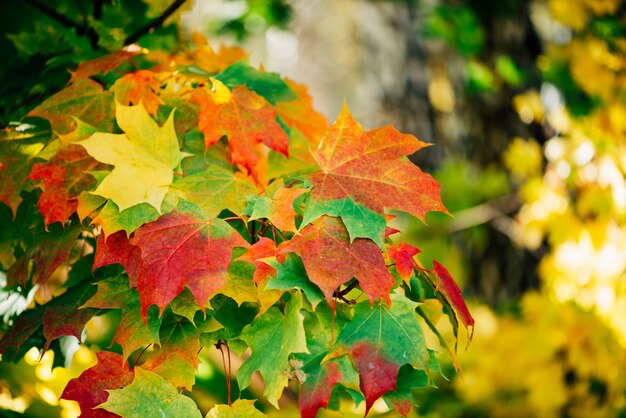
[
  {"x": 372, "y": 168},
  {"x": 263, "y": 248},
  {"x": 331, "y": 260},
  {"x": 182, "y": 249},
  {"x": 117, "y": 249},
  {"x": 446, "y": 285},
  {"x": 90, "y": 389},
  {"x": 403, "y": 256},
  {"x": 246, "y": 118},
  {"x": 64, "y": 177},
  {"x": 104, "y": 64}
]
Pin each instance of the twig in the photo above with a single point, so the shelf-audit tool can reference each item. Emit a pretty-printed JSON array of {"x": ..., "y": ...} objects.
[
  {"x": 82, "y": 30},
  {"x": 158, "y": 21},
  {"x": 97, "y": 9},
  {"x": 50, "y": 12}
]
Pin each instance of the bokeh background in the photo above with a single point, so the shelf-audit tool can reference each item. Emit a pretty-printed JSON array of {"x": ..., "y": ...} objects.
[{"x": 525, "y": 105}]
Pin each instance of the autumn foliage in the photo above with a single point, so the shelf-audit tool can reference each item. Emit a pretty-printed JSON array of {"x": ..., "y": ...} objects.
[{"x": 214, "y": 207}]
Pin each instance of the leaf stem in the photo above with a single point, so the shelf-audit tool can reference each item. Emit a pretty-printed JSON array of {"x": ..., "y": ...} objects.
[
  {"x": 154, "y": 23},
  {"x": 227, "y": 373},
  {"x": 141, "y": 354}
]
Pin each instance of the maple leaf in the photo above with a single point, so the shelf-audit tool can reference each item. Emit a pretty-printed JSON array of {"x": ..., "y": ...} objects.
[
  {"x": 246, "y": 118},
  {"x": 91, "y": 388},
  {"x": 62, "y": 316},
  {"x": 380, "y": 340},
  {"x": 104, "y": 64},
  {"x": 139, "y": 87},
  {"x": 268, "y": 85},
  {"x": 331, "y": 260},
  {"x": 132, "y": 332},
  {"x": 372, "y": 168},
  {"x": 144, "y": 158},
  {"x": 64, "y": 177},
  {"x": 261, "y": 249},
  {"x": 12, "y": 344},
  {"x": 403, "y": 256},
  {"x": 300, "y": 161},
  {"x": 360, "y": 221},
  {"x": 215, "y": 189},
  {"x": 84, "y": 99},
  {"x": 117, "y": 249},
  {"x": 451, "y": 291},
  {"x": 150, "y": 395},
  {"x": 16, "y": 160},
  {"x": 300, "y": 114},
  {"x": 272, "y": 337},
  {"x": 47, "y": 254},
  {"x": 176, "y": 358},
  {"x": 277, "y": 206},
  {"x": 182, "y": 249},
  {"x": 401, "y": 399},
  {"x": 318, "y": 381},
  {"x": 291, "y": 274},
  {"x": 241, "y": 408},
  {"x": 106, "y": 213}
]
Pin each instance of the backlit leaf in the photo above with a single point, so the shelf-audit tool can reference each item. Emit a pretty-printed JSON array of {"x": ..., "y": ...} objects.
[
  {"x": 241, "y": 408},
  {"x": 144, "y": 158},
  {"x": 371, "y": 167},
  {"x": 91, "y": 388},
  {"x": 331, "y": 260},
  {"x": 215, "y": 189},
  {"x": 380, "y": 340},
  {"x": 360, "y": 221},
  {"x": 272, "y": 338},
  {"x": 139, "y": 87},
  {"x": 181, "y": 249},
  {"x": 150, "y": 395},
  {"x": 85, "y": 100},
  {"x": 246, "y": 118}
]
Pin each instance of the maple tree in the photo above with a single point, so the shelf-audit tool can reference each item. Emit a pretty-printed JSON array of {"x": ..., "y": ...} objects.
[{"x": 214, "y": 207}]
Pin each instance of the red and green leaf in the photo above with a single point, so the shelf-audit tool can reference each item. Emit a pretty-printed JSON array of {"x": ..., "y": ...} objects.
[
  {"x": 331, "y": 260},
  {"x": 380, "y": 340},
  {"x": 182, "y": 249},
  {"x": 372, "y": 168}
]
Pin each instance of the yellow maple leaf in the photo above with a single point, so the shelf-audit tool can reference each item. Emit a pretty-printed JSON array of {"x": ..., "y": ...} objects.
[{"x": 144, "y": 158}]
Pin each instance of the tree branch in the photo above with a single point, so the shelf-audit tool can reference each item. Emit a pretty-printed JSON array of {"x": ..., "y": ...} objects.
[
  {"x": 53, "y": 14},
  {"x": 83, "y": 30},
  {"x": 97, "y": 9},
  {"x": 154, "y": 23}
]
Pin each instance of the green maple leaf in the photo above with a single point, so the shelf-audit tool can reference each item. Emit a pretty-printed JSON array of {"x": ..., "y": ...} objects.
[
  {"x": 150, "y": 395},
  {"x": 360, "y": 221},
  {"x": 272, "y": 338},
  {"x": 144, "y": 158},
  {"x": 132, "y": 333},
  {"x": 269, "y": 85},
  {"x": 84, "y": 99},
  {"x": 215, "y": 189},
  {"x": 290, "y": 275},
  {"x": 241, "y": 408}
]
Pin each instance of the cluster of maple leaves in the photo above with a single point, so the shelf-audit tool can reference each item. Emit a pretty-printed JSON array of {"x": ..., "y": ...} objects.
[{"x": 221, "y": 210}]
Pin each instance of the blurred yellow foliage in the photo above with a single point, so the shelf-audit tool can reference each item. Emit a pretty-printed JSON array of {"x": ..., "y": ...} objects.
[
  {"x": 523, "y": 158},
  {"x": 553, "y": 360},
  {"x": 578, "y": 203}
]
